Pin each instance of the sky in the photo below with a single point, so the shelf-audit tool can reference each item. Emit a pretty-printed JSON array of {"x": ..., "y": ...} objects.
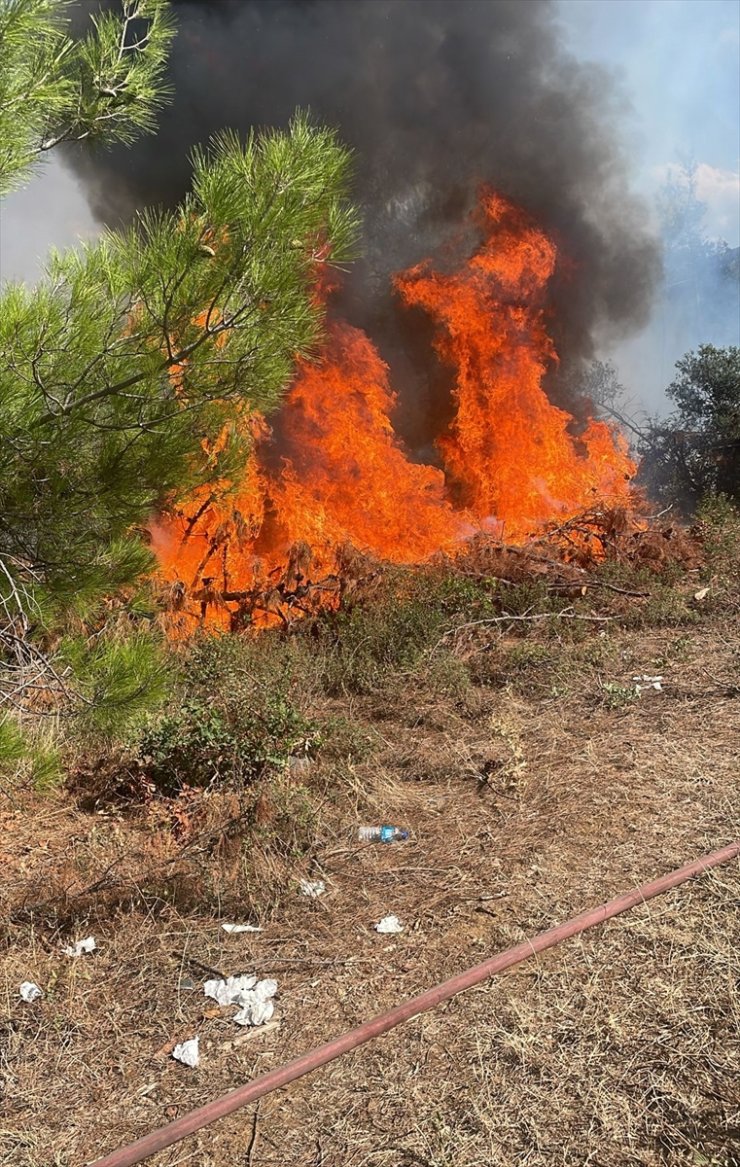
[
  {"x": 678, "y": 65},
  {"x": 677, "y": 68},
  {"x": 678, "y": 62}
]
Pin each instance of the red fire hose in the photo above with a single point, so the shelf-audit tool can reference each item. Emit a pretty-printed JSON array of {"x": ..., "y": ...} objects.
[{"x": 266, "y": 1083}]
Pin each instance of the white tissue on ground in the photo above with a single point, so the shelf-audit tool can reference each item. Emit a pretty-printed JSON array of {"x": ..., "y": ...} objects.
[
  {"x": 389, "y": 925},
  {"x": 255, "y": 1012},
  {"x": 82, "y": 946},
  {"x": 230, "y": 991},
  {"x": 253, "y": 997},
  {"x": 313, "y": 888},
  {"x": 30, "y": 991},
  {"x": 187, "y": 1052}
]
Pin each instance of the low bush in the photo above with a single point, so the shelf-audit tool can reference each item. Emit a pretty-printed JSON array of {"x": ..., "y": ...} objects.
[{"x": 234, "y": 718}]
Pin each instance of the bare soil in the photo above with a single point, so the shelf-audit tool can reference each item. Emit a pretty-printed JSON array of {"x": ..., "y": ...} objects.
[{"x": 545, "y": 788}]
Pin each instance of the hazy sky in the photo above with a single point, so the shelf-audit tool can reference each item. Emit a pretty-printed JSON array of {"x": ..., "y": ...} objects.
[
  {"x": 678, "y": 68},
  {"x": 679, "y": 65}
]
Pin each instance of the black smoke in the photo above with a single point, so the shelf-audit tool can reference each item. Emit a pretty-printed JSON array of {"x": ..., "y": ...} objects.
[{"x": 436, "y": 97}]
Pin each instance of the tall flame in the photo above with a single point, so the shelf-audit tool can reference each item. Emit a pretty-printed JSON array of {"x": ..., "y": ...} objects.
[
  {"x": 509, "y": 450},
  {"x": 339, "y": 477}
]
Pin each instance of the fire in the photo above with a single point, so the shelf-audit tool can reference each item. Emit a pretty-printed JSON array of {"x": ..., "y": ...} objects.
[
  {"x": 334, "y": 476},
  {"x": 509, "y": 452},
  {"x": 346, "y": 477}
]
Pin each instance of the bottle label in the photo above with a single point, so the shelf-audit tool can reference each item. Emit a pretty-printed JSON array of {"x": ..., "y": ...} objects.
[{"x": 387, "y": 834}]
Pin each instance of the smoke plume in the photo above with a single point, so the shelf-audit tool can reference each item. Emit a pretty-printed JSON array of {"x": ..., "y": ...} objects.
[{"x": 436, "y": 97}]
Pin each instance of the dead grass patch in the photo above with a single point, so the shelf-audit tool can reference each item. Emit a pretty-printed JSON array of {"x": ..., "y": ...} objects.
[{"x": 529, "y": 797}]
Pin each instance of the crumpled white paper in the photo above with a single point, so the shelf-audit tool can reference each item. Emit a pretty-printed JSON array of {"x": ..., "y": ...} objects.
[
  {"x": 82, "y": 946},
  {"x": 253, "y": 997},
  {"x": 234, "y": 929},
  {"x": 389, "y": 925},
  {"x": 30, "y": 991},
  {"x": 256, "y": 1011},
  {"x": 230, "y": 991},
  {"x": 313, "y": 888},
  {"x": 648, "y": 683},
  {"x": 187, "y": 1052}
]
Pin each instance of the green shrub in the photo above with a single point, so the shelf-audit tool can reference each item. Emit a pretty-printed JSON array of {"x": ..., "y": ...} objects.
[
  {"x": 616, "y": 696},
  {"x": 235, "y": 718},
  {"x": 362, "y": 646},
  {"x": 358, "y": 650},
  {"x": 718, "y": 523}
]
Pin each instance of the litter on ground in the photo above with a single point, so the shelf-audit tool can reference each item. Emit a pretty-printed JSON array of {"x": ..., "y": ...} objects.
[
  {"x": 389, "y": 925},
  {"x": 30, "y": 991},
  {"x": 82, "y": 946},
  {"x": 253, "y": 997},
  {"x": 234, "y": 929},
  {"x": 255, "y": 1012},
  {"x": 313, "y": 888},
  {"x": 229, "y": 991},
  {"x": 187, "y": 1052},
  {"x": 648, "y": 683}
]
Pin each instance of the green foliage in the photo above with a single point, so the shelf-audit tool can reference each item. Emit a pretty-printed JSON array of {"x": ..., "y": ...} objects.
[
  {"x": 13, "y": 745},
  {"x": 707, "y": 390},
  {"x": 718, "y": 523},
  {"x": 616, "y": 696},
  {"x": 127, "y": 376},
  {"x": 235, "y": 719},
  {"x": 191, "y": 747},
  {"x": 114, "y": 390},
  {"x": 361, "y": 647},
  {"x": 117, "y": 679},
  {"x": 28, "y": 755},
  {"x": 45, "y": 766},
  {"x": 347, "y": 739},
  {"x": 107, "y": 86},
  {"x": 696, "y": 451}
]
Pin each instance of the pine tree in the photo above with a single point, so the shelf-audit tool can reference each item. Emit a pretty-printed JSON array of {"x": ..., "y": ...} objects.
[
  {"x": 139, "y": 356},
  {"x": 106, "y": 86}
]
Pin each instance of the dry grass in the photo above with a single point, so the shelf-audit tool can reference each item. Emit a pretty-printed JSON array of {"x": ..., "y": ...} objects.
[{"x": 530, "y": 798}]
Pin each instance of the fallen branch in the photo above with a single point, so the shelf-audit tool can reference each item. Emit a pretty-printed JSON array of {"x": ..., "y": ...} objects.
[
  {"x": 564, "y": 614},
  {"x": 586, "y": 580},
  {"x": 598, "y": 583}
]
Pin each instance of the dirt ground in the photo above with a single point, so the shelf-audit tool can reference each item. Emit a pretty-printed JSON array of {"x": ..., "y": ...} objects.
[{"x": 528, "y": 801}]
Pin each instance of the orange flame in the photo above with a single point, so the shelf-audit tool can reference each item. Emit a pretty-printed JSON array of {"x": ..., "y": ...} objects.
[
  {"x": 344, "y": 478},
  {"x": 509, "y": 451}
]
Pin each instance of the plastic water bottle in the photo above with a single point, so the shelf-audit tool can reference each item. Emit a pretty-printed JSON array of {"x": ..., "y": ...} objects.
[{"x": 384, "y": 834}]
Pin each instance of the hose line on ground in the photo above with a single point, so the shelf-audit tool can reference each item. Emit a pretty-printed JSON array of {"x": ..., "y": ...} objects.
[{"x": 165, "y": 1136}]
